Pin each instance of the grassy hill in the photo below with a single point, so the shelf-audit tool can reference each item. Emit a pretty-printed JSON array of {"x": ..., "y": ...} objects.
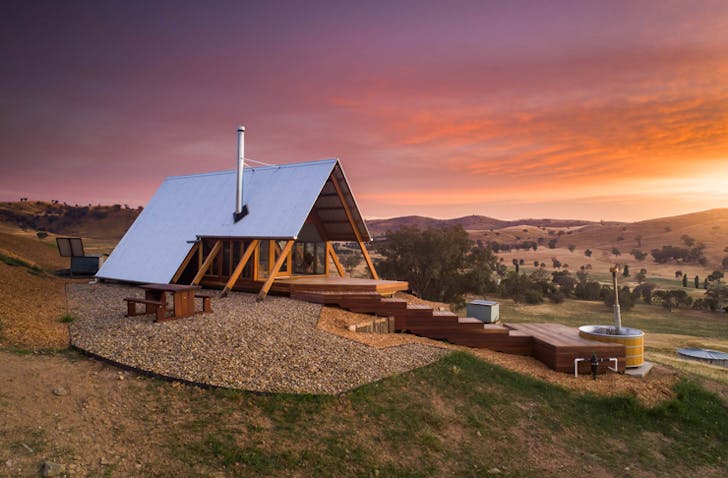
[
  {"x": 101, "y": 222},
  {"x": 379, "y": 227},
  {"x": 707, "y": 227}
]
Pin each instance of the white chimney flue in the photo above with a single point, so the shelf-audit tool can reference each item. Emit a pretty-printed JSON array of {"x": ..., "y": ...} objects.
[{"x": 241, "y": 210}]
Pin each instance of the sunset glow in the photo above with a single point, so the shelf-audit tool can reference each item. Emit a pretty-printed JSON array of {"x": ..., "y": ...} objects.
[{"x": 594, "y": 110}]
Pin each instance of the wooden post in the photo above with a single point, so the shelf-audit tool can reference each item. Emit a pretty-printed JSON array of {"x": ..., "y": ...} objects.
[
  {"x": 269, "y": 282},
  {"x": 368, "y": 260},
  {"x": 350, "y": 217},
  {"x": 239, "y": 268},
  {"x": 331, "y": 252},
  {"x": 185, "y": 262},
  {"x": 208, "y": 262}
]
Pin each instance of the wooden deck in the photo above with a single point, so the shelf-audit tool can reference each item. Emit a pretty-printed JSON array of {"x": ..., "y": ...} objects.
[
  {"x": 323, "y": 285},
  {"x": 339, "y": 284},
  {"x": 555, "y": 345},
  {"x": 558, "y": 345}
]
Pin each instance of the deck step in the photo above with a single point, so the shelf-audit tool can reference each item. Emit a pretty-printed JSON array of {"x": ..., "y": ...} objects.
[{"x": 443, "y": 313}]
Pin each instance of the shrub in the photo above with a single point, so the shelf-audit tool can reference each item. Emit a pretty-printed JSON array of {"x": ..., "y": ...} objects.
[
  {"x": 645, "y": 291},
  {"x": 638, "y": 254},
  {"x": 589, "y": 290},
  {"x": 533, "y": 297},
  {"x": 557, "y": 297},
  {"x": 715, "y": 276},
  {"x": 672, "y": 299},
  {"x": 626, "y": 297}
]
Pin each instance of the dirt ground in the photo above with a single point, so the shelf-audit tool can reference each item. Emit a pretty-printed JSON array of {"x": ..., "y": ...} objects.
[{"x": 50, "y": 406}]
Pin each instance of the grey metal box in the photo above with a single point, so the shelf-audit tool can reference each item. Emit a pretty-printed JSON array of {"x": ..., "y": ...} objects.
[
  {"x": 86, "y": 265},
  {"x": 485, "y": 310}
]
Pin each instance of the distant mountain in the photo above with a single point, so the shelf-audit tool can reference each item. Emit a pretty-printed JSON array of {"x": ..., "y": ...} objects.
[{"x": 379, "y": 227}]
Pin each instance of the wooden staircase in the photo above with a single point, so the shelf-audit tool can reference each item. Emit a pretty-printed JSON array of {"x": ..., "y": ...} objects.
[{"x": 424, "y": 321}]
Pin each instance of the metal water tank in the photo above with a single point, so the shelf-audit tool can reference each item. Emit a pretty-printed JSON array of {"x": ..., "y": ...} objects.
[{"x": 485, "y": 310}]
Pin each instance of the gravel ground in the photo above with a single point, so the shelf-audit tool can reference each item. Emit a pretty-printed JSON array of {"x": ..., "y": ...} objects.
[{"x": 269, "y": 346}]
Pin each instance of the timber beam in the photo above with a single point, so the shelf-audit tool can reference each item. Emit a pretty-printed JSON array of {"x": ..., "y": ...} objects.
[
  {"x": 330, "y": 252},
  {"x": 185, "y": 262},
  {"x": 239, "y": 268},
  {"x": 359, "y": 239},
  {"x": 283, "y": 257},
  {"x": 208, "y": 262}
]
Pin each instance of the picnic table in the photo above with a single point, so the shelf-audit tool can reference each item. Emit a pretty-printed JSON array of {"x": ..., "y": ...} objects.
[{"x": 155, "y": 300}]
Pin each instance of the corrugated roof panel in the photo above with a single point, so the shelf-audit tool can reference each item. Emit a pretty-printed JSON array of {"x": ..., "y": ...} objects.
[{"x": 279, "y": 199}]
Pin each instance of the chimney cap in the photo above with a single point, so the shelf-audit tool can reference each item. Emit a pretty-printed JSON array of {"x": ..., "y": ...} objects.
[{"x": 241, "y": 128}]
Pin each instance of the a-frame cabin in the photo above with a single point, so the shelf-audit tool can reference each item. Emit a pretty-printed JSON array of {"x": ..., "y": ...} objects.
[{"x": 291, "y": 215}]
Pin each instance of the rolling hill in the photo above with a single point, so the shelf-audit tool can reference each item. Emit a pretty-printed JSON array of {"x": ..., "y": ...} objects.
[
  {"x": 379, "y": 227},
  {"x": 100, "y": 222},
  {"x": 571, "y": 238}
]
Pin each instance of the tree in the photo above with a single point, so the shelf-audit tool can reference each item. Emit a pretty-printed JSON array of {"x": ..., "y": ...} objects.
[
  {"x": 438, "y": 264},
  {"x": 616, "y": 252},
  {"x": 678, "y": 274},
  {"x": 565, "y": 281},
  {"x": 645, "y": 291},
  {"x": 724, "y": 263},
  {"x": 641, "y": 275},
  {"x": 625, "y": 272},
  {"x": 555, "y": 262},
  {"x": 638, "y": 254},
  {"x": 515, "y": 264},
  {"x": 626, "y": 298},
  {"x": 351, "y": 261},
  {"x": 716, "y": 297},
  {"x": 697, "y": 282},
  {"x": 572, "y": 247},
  {"x": 685, "y": 280},
  {"x": 521, "y": 288},
  {"x": 687, "y": 240},
  {"x": 535, "y": 263},
  {"x": 672, "y": 299},
  {"x": 589, "y": 290},
  {"x": 552, "y": 243},
  {"x": 715, "y": 276},
  {"x": 679, "y": 254},
  {"x": 582, "y": 275},
  {"x": 588, "y": 252}
]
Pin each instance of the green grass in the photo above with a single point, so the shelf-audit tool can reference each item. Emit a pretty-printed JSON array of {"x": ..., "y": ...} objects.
[
  {"x": 460, "y": 416},
  {"x": 66, "y": 319},
  {"x": 650, "y": 318},
  {"x": 15, "y": 262}
]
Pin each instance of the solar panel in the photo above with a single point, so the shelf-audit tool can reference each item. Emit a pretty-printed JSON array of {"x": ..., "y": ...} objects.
[{"x": 70, "y": 246}]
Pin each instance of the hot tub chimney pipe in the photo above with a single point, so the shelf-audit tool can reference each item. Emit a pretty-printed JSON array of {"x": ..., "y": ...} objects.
[
  {"x": 617, "y": 314},
  {"x": 241, "y": 210}
]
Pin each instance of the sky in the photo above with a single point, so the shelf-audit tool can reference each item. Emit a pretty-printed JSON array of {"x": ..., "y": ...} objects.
[{"x": 614, "y": 110}]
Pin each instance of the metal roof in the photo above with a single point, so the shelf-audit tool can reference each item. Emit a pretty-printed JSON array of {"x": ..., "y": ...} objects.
[
  {"x": 705, "y": 354},
  {"x": 279, "y": 199}
]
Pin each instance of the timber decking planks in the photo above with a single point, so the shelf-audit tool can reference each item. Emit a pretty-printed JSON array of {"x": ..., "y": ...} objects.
[{"x": 557, "y": 346}]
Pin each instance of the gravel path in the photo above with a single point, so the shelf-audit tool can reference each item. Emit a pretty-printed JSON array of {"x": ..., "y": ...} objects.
[{"x": 269, "y": 346}]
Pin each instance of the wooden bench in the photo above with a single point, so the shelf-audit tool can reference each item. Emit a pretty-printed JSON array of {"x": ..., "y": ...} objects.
[
  {"x": 152, "y": 307},
  {"x": 206, "y": 302}
]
